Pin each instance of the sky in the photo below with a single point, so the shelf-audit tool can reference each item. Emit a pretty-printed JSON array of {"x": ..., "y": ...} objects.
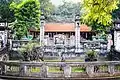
[{"x": 58, "y": 2}]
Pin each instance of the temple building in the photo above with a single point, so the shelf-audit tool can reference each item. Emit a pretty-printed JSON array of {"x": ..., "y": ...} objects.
[
  {"x": 61, "y": 35},
  {"x": 66, "y": 29}
]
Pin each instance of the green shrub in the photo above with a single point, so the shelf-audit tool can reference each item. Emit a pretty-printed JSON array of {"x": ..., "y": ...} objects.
[
  {"x": 29, "y": 46},
  {"x": 91, "y": 55}
]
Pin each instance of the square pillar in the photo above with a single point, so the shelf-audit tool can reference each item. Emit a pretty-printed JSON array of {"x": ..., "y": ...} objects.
[
  {"x": 42, "y": 31},
  {"x": 77, "y": 33}
]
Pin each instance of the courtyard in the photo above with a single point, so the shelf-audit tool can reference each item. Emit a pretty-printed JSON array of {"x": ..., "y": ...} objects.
[{"x": 66, "y": 40}]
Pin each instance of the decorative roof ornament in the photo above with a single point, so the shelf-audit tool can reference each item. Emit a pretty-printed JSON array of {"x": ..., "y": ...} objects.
[
  {"x": 117, "y": 24},
  {"x": 42, "y": 17},
  {"x": 77, "y": 17}
]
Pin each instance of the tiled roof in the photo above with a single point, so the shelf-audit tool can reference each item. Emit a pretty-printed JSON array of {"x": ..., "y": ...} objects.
[{"x": 65, "y": 27}]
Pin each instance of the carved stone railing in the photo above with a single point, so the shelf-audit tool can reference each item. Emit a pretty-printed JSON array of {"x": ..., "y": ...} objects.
[
  {"x": 96, "y": 45},
  {"x": 68, "y": 69}
]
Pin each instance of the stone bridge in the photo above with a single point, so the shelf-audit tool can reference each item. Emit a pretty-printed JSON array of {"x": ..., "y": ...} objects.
[{"x": 64, "y": 70}]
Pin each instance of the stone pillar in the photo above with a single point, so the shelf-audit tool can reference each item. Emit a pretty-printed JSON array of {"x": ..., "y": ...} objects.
[
  {"x": 67, "y": 71},
  {"x": 44, "y": 71},
  {"x": 90, "y": 70},
  {"x": 2, "y": 39},
  {"x": 23, "y": 70},
  {"x": 5, "y": 37},
  {"x": 116, "y": 40},
  {"x": 110, "y": 42},
  {"x": 111, "y": 69},
  {"x": 72, "y": 40},
  {"x": 42, "y": 31},
  {"x": 86, "y": 35},
  {"x": 77, "y": 33}
]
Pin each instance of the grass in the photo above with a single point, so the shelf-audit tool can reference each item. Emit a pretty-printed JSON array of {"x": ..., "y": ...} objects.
[
  {"x": 117, "y": 67},
  {"x": 78, "y": 69},
  {"x": 103, "y": 67},
  {"x": 34, "y": 69},
  {"x": 54, "y": 69}
]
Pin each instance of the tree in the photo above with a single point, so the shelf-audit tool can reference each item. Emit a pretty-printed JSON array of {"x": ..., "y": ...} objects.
[
  {"x": 98, "y": 13},
  {"x": 69, "y": 8},
  {"x": 27, "y": 15},
  {"x": 17, "y": 1},
  {"x": 32, "y": 51},
  {"x": 66, "y": 11},
  {"x": 47, "y": 8},
  {"x": 5, "y": 12},
  {"x": 116, "y": 13}
]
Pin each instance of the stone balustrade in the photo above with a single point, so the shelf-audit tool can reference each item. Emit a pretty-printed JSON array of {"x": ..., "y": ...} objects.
[
  {"x": 85, "y": 45},
  {"x": 63, "y": 69}
]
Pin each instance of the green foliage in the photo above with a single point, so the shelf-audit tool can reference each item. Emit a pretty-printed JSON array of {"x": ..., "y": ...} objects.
[
  {"x": 47, "y": 8},
  {"x": 5, "y": 12},
  {"x": 17, "y": 1},
  {"x": 28, "y": 47},
  {"x": 78, "y": 69},
  {"x": 66, "y": 11},
  {"x": 98, "y": 13},
  {"x": 91, "y": 55},
  {"x": 35, "y": 69},
  {"x": 69, "y": 8},
  {"x": 27, "y": 15},
  {"x": 116, "y": 13}
]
